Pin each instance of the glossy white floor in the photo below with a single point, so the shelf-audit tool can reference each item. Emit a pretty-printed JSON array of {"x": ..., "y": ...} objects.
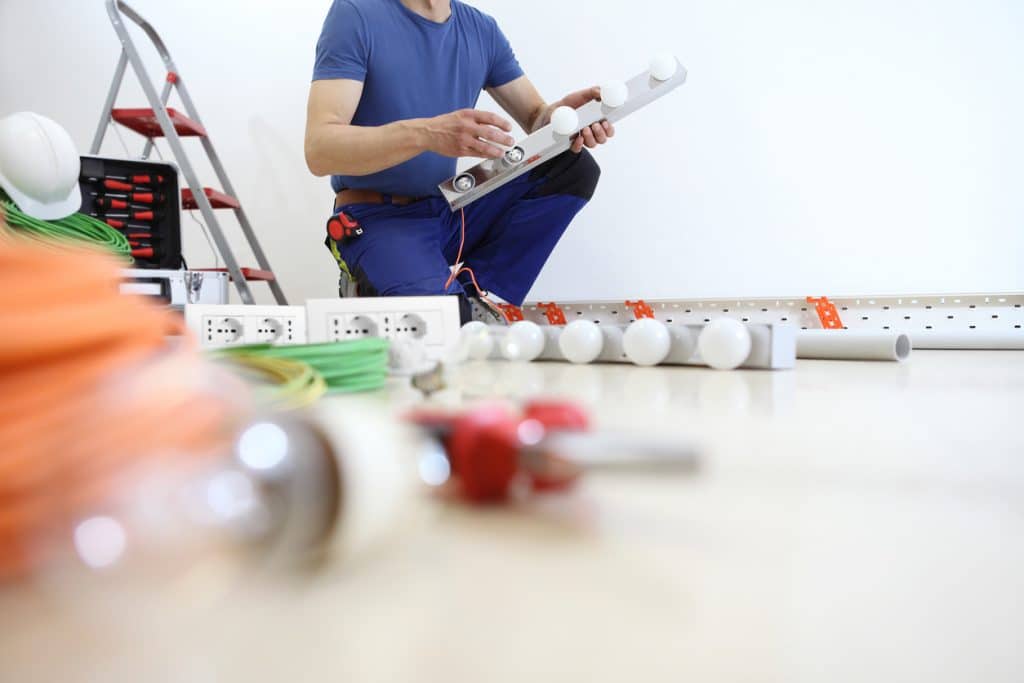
[{"x": 852, "y": 522}]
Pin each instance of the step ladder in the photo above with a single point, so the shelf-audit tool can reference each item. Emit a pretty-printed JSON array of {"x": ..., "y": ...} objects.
[{"x": 161, "y": 121}]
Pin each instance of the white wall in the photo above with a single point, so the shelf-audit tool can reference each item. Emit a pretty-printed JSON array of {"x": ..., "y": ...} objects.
[{"x": 820, "y": 146}]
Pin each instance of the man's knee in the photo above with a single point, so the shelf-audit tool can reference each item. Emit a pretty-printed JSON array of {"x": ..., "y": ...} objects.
[{"x": 571, "y": 174}]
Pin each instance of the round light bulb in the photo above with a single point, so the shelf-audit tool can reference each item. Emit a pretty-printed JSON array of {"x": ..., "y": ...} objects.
[
  {"x": 581, "y": 342},
  {"x": 725, "y": 344},
  {"x": 647, "y": 342},
  {"x": 477, "y": 340},
  {"x": 614, "y": 93},
  {"x": 664, "y": 66},
  {"x": 565, "y": 121},
  {"x": 524, "y": 342}
]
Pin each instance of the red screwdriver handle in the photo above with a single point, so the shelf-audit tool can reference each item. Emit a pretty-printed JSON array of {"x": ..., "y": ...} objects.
[
  {"x": 121, "y": 225},
  {"x": 145, "y": 197},
  {"x": 118, "y": 186},
  {"x": 109, "y": 203},
  {"x": 133, "y": 214},
  {"x": 148, "y": 179}
]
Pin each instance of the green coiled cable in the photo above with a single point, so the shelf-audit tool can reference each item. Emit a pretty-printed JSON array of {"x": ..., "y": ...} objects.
[
  {"x": 77, "y": 228},
  {"x": 346, "y": 367}
]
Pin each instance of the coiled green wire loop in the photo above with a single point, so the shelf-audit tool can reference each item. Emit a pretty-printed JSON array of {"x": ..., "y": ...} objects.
[{"x": 77, "y": 228}]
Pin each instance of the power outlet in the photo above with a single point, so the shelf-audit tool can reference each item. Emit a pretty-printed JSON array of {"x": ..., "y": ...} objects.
[
  {"x": 221, "y": 326},
  {"x": 343, "y": 327},
  {"x": 433, "y": 320}
]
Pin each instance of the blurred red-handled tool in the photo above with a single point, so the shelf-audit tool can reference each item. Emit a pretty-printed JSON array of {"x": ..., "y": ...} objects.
[
  {"x": 143, "y": 252},
  {"x": 118, "y": 186},
  {"x": 493, "y": 451},
  {"x": 124, "y": 201},
  {"x": 108, "y": 203},
  {"x": 124, "y": 225},
  {"x": 144, "y": 179},
  {"x": 132, "y": 215}
]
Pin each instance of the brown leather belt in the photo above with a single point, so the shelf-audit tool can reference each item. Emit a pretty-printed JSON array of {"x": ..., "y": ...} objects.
[{"x": 346, "y": 197}]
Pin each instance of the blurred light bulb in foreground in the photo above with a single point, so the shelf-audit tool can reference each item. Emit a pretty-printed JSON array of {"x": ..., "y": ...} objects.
[
  {"x": 263, "y": 446},
  {"x": 647, "y": 342},
  {"x": 725, "y": 344},
  {"x": 100, "y": 542},
  {"x": 331, "y": 480},
  {"x": 581, "y": 342},
  {"x": 434, "y": 467}
]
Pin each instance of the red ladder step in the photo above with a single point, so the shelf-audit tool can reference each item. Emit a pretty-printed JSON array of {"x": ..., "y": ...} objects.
[
  {"x": 218, "y": 200},
  {"x": 144, "y": 122}
]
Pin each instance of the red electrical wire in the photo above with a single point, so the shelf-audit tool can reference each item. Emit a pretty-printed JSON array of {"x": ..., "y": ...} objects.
[
  {"x": 457, "y": 270},
  {"x": 458, "y": 259}
]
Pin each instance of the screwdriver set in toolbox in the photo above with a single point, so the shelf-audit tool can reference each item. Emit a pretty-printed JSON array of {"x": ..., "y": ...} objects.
[{"x": 140, "y": 199}]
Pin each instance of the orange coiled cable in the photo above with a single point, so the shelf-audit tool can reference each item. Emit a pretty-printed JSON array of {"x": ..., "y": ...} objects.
[{"x": 91, "y": 390}]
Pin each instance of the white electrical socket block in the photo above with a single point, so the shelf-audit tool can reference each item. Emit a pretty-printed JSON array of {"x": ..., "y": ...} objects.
[
  {"x": 433, "y": 320},
  {"x": 220, "y": 326}
]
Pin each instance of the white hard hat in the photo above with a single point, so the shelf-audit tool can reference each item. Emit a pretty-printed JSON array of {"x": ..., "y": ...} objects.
[{"x": 39, "y": 166}]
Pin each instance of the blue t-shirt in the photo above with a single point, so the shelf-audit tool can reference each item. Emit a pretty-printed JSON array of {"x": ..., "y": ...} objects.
[{"x": 410, "y": 68}]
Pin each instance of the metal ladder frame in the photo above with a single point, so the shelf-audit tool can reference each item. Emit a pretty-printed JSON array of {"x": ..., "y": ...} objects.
[{"x": 158, "y": 102}]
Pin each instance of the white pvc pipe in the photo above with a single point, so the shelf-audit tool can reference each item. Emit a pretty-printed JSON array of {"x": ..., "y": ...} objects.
[
  {"x": 853, "y": 345},
  {"x": 932, "y": 339}
]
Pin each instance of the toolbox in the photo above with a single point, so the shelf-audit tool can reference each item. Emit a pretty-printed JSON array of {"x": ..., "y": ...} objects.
[{"x": 140, "y": 199}]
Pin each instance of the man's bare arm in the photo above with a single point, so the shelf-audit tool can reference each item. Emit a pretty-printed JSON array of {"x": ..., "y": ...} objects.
[
  {"x": 336, "y": 147},
  {"x": 522, "y": 102}
]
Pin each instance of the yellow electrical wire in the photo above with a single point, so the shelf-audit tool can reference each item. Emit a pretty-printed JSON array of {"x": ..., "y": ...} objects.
[
  {"x": 352, "y": 366},
  {"x": 294, "y": 384}
]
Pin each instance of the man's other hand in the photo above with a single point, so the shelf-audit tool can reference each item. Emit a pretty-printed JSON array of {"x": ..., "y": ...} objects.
[
  {"x": 468, "y": 133},
  {"x": 597, "y": 134}
]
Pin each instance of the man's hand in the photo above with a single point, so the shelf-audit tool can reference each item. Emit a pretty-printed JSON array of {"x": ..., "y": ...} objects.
[
  {"x": 467, "y": 133},
  {"x": 597, "y": 134}
]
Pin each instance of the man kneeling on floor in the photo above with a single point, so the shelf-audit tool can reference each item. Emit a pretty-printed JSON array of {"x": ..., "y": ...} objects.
[{"x": 390, "y": 111}]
